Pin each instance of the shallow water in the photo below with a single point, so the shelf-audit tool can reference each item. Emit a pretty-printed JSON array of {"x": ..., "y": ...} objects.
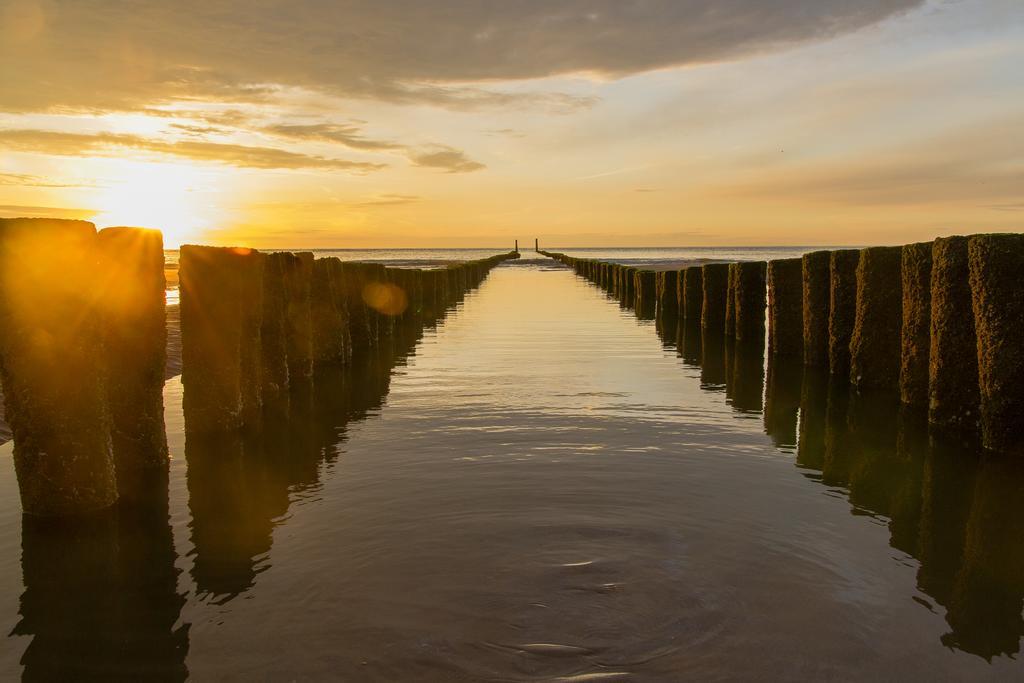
[{"x": 541, "y": 488}]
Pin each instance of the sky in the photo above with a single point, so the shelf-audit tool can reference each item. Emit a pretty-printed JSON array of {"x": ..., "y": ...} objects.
[{"x": 404, "y": 123}]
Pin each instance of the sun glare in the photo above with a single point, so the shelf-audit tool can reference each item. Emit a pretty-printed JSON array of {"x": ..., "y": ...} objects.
[{"x": 168, "y": 197}]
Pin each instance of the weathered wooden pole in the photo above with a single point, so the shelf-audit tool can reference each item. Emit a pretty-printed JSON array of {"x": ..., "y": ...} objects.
[
  {"x": 644, "y": 282},
  {"x": 629, "y": 286},
  {"x": 842, "y": 309},
  {"x": 274, "y": 330},
  {"x": 132, "y": 298},
  {"x": 668, "y": 298},
  {"x": 730, "y": 301},
  {"x": 298, "y": 317},
  {"x": 714, "y": 285},
  {"x": 217, "y": 337},
  {"x": 330, "y": 326},
  {"x": 816, "y": 288},
  {"x": 51, "y": 366},
  {"x": 916, "y": 268},
  {"x": 785, "y": 307},
  {"x": 691, "y": 296},
  {"x": 875, "y": 344},
  {"x": 750, "y": 302},
  {"x": 954, "y": 400},
  {"x": 996, "y": 263}
]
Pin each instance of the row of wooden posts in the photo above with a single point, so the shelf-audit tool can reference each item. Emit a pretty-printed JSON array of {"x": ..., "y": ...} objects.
[
  {"x": 83, "y": 344},
  {"x": 939, "y": 323}
]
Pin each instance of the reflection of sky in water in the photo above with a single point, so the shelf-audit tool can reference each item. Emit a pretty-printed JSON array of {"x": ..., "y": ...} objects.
[{"x": 542, "y": 489}]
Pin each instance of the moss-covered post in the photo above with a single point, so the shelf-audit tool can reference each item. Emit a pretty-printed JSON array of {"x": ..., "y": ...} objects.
[
  {"x": 816, "y": 286},
  {"x": 51, "y": 366},
  {"x": 842, "y": 309},
  {"x": 750, "y": 302},
  {"x": 691, "y": 297},
  {"x": 953, "y": 392},
  {"x": 215, "y": 333},
  {"x": 916, "y": 267},
  {"x": 668, "y": 302},
  {"x": 875, "y": 344},
  {"x": 132, "y": 298},
  {"x": 785, "y": 308},
  {"x": 714, "y": 287},
  {"x": 996, "y": 263}
]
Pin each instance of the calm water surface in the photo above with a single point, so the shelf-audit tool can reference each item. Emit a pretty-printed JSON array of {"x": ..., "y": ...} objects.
[{"x": 541, "y": 488}]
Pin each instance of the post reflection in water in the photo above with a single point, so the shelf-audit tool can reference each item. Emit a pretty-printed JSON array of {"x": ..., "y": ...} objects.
[
  {"x": 957, "y": 510},
  {"x": 240, "y": 484},
  {"x": 101, "y": 596}
]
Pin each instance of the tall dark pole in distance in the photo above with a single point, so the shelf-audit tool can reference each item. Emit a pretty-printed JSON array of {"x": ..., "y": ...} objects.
[
  {"x": 536, "y": 245},
  {"x": 517, "y": 246}
]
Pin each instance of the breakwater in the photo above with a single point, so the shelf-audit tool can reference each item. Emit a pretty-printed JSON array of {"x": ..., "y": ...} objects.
[
  {"x": 937, "y": 325},
  {"x": 83, "y": 345}
]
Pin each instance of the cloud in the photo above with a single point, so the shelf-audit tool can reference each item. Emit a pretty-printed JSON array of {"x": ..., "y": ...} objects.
[
  {"x": 505, "y": 133},
  {"x": 27, "y": 180},
  {"x": 98, "y": 55},
  {"x": 343, "y": 134},
  {"x": 389, "y": 200},
  {"x": 448, "y": 159},
  {"x": 113, "y": 144},
  {"x": 444, "y": 157}
]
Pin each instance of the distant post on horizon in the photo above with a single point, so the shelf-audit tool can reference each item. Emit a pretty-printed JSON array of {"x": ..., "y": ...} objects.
[{"x": 536, "y": 245}]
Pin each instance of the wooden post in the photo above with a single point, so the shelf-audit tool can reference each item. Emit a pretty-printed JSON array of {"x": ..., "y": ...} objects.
[
  {"x": 132, "y": 298},
  {"x": 785, "y": 307},
  {"x": 875, "y": 344},
  {"x": 215, "y": 294},
  {"x": 916, "y": 268},
  {"x": 842, "y": 309},
  {"x": 750, "y": 302},
  {"x": 714, "y": 284},
  {"x": 52, "y": 368},
  {"x": 668, "y": 301},
  {"x": 730, "y": 301},
  {"x": 691, "y": 296},
  {"x": 816, "y": 288},
  {"x": 996, "y": 263}
]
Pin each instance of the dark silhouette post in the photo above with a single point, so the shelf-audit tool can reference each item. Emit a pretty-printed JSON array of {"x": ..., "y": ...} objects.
[{"x": 842, "y": 309}]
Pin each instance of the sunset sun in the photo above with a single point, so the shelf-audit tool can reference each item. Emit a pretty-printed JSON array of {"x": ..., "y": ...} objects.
[{"x": 157, "y": 195}]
